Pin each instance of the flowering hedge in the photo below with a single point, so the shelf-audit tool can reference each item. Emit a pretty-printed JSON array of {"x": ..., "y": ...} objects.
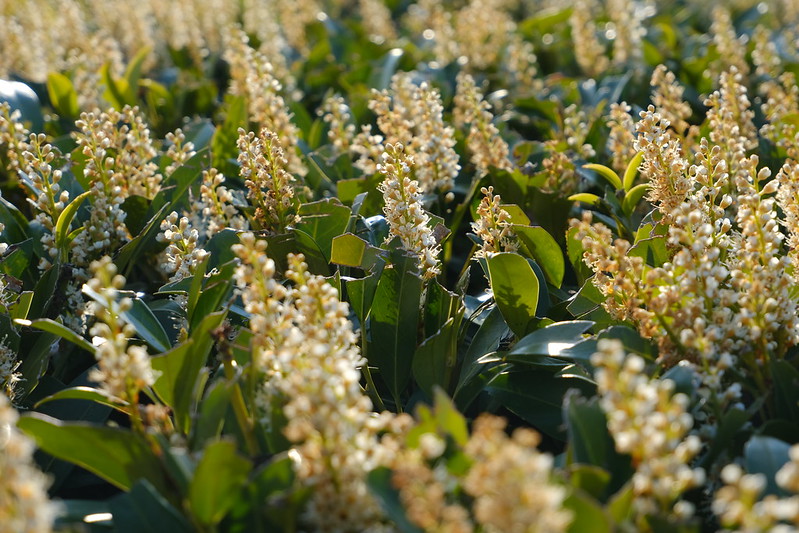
[{"x": 486, "y": 265}]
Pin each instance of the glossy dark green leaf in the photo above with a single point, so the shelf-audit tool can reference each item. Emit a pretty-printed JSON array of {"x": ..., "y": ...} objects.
[
  {"x": 434, "y": 360},
  {"x": 393, "y": 323},
  {"x": 361, "y": 293},
  {"x": 85, "y": 393},
  {"x": 51, "y": 326},
  {"x": 766, "y": 455},
  {"x": 537, "y": 397},
  {"x": 144, "y": 509},
  {"x": 212, "y": 411},
  {"x": 147, "y": 326},
  {"x": 21, "y": 97},
  {"x": 515, "y": 288},
  {"x": 116, "y": 455},
  {"x": 323, "y": 221},
  {"x": 545, "y": 250},
  {"x": 551, "y": 340},
  {"x": 786, "y": 389},
  {"x": 217, "y": 483},
  {"x": 180, "y": 368}
]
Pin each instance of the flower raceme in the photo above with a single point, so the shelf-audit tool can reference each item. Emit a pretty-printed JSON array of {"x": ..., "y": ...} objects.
[{"x": 406, "y": 217}]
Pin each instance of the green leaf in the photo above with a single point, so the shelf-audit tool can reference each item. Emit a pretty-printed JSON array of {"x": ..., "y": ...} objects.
[
  {"x": 144, "y": 509},
  {"x": 485, "y": 341},
  {"x": 632, "y": 198},
  {"x": 785, "y": 378},
  {"x": 323, "y": 221},
  {"x": 223, "y": 143},
  {"x": 434, "y": 359},
  {"x": 620, "y": 505},
  {"x": 448, "y": 418},
  {"x": 589, "y": 478},
  {"x": 361, "y": 293},
  {"x": 379, "y": 481},
  {"x": 180, "y": 369},
  {"x": 51, "y": 326},
  {"x": 537, "y": 397},
  {"x": 587, "y": 515},
  {"x": 393, "y": 323},
  {"x": 652, "y": 250},
  {"x": 133, "y": 72},
  {"x": 147, "y": 326},
  {"x": 608, "y": 173},
  {"x": 63, "y": 223},
  {"x": 766, "y": 455},
  {"x": 85, "y": 393},
  {"x": 217, "y": 482},
  {"x": 586, "y": 198},
  {"x": 632, "y": 171},
  {"x": 350, "y": 250},
  {"x": 116, "y": 455},
  {"x": 549, "y": 341},
  {"x": 21, "y": 307},
  {"x": 21, "y": 97},
  {"x": 212, "y": 412},
  {"x": 545, "y": 250},
  {"x": 62, "y": 95},
  {"x": 515, "y": 288}
]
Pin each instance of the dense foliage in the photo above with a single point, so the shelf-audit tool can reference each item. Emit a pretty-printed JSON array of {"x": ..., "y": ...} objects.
[{"x": 326, "y": 265}]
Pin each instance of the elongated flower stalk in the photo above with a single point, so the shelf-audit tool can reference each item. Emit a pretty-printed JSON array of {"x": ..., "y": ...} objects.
[
  {"x": 493, "y": 225},
  {"x": 123, "y": 370},
  {"x": 649, "y": 422},
  {"x": 588, "y": 51},
  {"x": 253, "y": 76},
  {"x": 621, "y": 138},
  {"x": 24, "y": 504},
  {"x": 271, "y": 191},
  {"x": 487, "y": 148},
  {"x": 183, "y": 252},
  {"x": 740, "y": 504},
  {"x": 406, "y": 217},
  {"x": 412, "y": 115},
  {"x": 667, "y": 97},
  {"x": 214, "y": 209},
  {"x": 305, "y": 346}
]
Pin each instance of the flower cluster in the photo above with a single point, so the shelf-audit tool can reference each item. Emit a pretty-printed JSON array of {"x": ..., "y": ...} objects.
[
  {"x": 406, "y": 217},
  {"x": 253, "y": 77},
  {"x": 667, "y": 97},
  {"x": 650, "y": 422},
  {"x": 123, "y": 370},
  {"x": 621, "y": 137},
  {"x": 24, "y": 505},
  {"x": 336, "y": 113},
  {"x": 264, "y": 169},
  {"x": 412, "y": 115},
  {"x": 588, "y": 51},
  {"x": 119, "y": 163},
  {"x": 9, "y": 377},
  {"x": 486, "y": 146},
  {"x": 306, "y": 348},
  {"x": 182, "y": 252},
  {"x": 738, "y": 504},
  {"x": 508, "y": 482},
  {"x": 493, "y": 225},
  {"x": 214, "y": 209}
]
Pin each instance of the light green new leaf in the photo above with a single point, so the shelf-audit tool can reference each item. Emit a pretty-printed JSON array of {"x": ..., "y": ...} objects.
[
  {"x": 62, "y": 95},
  {"x": 606, "y": 172},
  {"x": 64, "y": 221}
]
